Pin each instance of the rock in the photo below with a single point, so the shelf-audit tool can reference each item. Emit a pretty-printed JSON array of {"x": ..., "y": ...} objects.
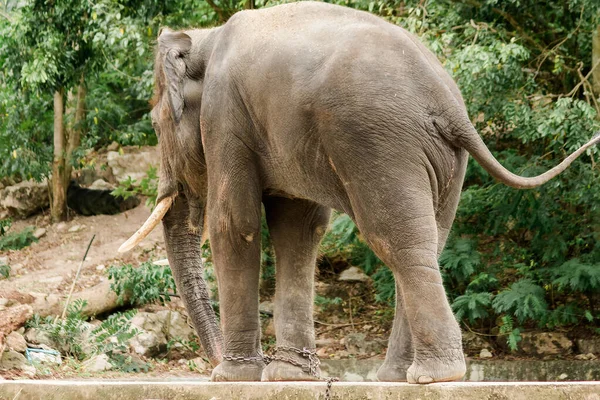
[
  {"x": 23, "y": 199},
  {"x": 545, "y": 343},
  {"x": 485, "y": 353},
  {"x": 12, "y": 318},
  {"x": 114, "y": 146},
  {"x": 134, "y": 164},
  {"x": 324, "y": 342},
  {"x": 13, "y": 360},
  {"x": 3, "y": 260},
  {"x": 97, "y": 363},
  {"x": 100, "y": 267},
  {"x": 60, "y": 227},
  {"x": 198, "y": 364},
  {"x": 45, "y": 356},
  {"x": 590, "y": 345},
  {"x": 176, "y": 327},
  {"x": 76, "y": 228},
  {"x": 15, "y": 341},
  {"x": 146, "y": 344},
  {"x": 353, "y": 274},
  {"x": 587, "y": 357},
  {"x": 38, "y": 336},
  {"x": 39, "y": 233},
  {"x": 101, "y": 184},
  {"x": 356, "y": 343},
  {"x": 473, "y": 343},
  {"x": 266, "y": 307},
  {"x": 157, "y": 329},
  {"x": 322, "y": 352}
]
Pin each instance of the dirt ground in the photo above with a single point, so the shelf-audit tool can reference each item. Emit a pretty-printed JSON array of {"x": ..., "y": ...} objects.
[{"x": 49, "y": 265}]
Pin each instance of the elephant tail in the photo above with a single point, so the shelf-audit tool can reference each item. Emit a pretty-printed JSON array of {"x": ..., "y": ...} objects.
[{"x": 472, "y": 142}]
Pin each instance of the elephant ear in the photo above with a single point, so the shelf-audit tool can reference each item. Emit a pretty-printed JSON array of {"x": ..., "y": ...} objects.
[{"x": 174, "y": 46}]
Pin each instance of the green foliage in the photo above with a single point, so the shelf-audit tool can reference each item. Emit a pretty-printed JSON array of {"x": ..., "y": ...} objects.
[
  {"x": 473, "y": 306},
  {"x": 461, "y": 259},
  {"x": 5, "y": 225},
  {"x": 148, "y": 187},
  {"x": 75, "y": 337},
  {"x": 576, "y": 276},
  {"x": 4, "y": 271},
  {"x": 112, "y": 338},
  {"x": 523, "y": 299},
  {"x": 68, "y": 334},
  {"x": 17, "y": 240},
  {"x": 326, "y": 303},
  {"x": 147, "y": 283}
]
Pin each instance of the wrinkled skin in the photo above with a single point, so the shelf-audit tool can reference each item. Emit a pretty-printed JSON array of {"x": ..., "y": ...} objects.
[{"x": 303, "y": 108}]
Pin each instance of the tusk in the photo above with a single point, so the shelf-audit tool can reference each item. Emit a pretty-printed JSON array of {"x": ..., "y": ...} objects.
[{"x": 157, "y": 215}]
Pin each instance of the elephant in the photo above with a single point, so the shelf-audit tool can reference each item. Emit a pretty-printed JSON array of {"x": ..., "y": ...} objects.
[{"x": 303, "y": 108}]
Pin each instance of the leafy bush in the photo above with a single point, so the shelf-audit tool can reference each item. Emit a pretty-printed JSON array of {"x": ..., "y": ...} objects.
[
  {"x": 16, "y": 241},
  {"x": 148, "y": 186},
  {"x": 146, "y": 284},
  {"x": 75, "y": 338}
]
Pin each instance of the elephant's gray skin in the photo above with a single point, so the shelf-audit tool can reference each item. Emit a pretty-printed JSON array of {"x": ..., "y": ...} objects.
[{"x": 306, "y": 107}]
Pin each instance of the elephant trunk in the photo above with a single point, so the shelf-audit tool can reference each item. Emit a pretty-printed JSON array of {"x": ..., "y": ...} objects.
[{"x": 185, "y": 258}]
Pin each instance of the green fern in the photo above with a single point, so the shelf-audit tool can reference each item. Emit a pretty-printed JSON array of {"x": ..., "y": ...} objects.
[
  {"x": 577, "y": 276},
  {"x": 473, "y": 306},
  {"x": 146, "y": 284},
  {"x": 461, "y": 259},
  {"x": 524, "y": 300}
]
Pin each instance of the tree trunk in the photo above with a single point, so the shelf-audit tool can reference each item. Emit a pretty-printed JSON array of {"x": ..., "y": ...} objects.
[
  {"x": 76, "y": 129},
  {"x": 59, "y": 192},
  {"x": 595, "y": 61}
]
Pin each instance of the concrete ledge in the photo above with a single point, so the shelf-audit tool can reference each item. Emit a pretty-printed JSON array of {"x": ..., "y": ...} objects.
[{"x": 184, "y": 390}]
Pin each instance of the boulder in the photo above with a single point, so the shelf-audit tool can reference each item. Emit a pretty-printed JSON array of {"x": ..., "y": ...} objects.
[
  {"x": 485, "y": 353},
  {"x": 147, "y": 344},
  {"x": 157, "y": 330},
  {"x": 13, "y": 360},
  {"x": 353, "y": 274},
  {"x": 473, "y": 343},
  {"x": 589, "y": 345},
  {"x": 545, "y": 343},
  {"x": 15, "y": 341},
  {"x": 358, "y": 344},
  {"x": 198, "y": 364},
  {"x": 101, "y": 184},
  {"x": 23, "y": 199},
  {"x": 45, "y": 356},
  {"x": 39, "y": 233},
  {"x": 97, "y": 363},
  {"x": 38, "y": 336},
  {"x": 132, "y": 164}
]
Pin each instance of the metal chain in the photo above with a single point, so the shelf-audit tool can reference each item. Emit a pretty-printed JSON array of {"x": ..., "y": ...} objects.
[{"x": 310, "y": 367}]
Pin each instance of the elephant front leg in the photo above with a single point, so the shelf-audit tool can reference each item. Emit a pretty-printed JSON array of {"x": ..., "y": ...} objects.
[
  {"x": 296, "y": 228},
  {"x": 234, "y": 229}
]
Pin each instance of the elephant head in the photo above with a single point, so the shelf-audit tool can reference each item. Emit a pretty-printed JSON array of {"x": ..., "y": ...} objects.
[{"x": 179, "y": 71}]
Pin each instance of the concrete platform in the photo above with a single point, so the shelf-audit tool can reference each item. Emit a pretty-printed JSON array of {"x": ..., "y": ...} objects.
[{"x": 184, "y": 390}]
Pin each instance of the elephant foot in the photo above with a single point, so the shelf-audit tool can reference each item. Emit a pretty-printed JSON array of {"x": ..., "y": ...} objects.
[
  {"x": 284, "y": 371},
  {"x": 393, "y": 372},
  {"x": 236, "y": 371},
  {"x": 434, "y": 369}
]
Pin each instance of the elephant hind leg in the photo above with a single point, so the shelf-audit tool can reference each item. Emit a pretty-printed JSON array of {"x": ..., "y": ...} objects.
[
  {"x": 399, "y": 223},
  {"x": 296, "y": 228}
]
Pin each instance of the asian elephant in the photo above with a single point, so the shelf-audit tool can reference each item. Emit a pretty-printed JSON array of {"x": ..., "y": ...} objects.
[{"x": 304, "y": 108}]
